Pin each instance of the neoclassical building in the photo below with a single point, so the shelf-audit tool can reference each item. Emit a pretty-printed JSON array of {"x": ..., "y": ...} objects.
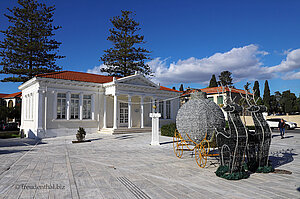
[{"x": 58, "y": 103}]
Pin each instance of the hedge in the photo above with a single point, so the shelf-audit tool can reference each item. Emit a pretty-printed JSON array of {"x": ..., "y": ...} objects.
[{"x": 168, "y": 130}]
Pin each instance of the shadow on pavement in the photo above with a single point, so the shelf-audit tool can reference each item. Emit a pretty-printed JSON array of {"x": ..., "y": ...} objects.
[
  {"x": 11, "y": 151},
  {"x": 10, "y": 142},
  {"x": 170, "y": 142},
  {"x": 123, "y": 137},
  {"x": 95, "y": 139},
  {"x": 282, "y": 157}
]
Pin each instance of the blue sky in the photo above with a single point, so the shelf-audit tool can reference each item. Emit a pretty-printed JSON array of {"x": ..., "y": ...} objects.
[{"x": 189, "y": 40}]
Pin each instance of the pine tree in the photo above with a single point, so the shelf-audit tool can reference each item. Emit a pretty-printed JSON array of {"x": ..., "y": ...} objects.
[
  {"x": 288, "y": 101},
  {"x": 181, "y": 87},
  {"x": 266, "y": 96},
  {"x": 124, "y": 58},
  {"x": 213, "y": 82},
  {"x": 28, "y": 48},
  {"x": 225, "y": 79}
]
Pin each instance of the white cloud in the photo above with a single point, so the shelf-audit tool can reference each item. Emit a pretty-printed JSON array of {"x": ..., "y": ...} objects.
[
  {"x": 291, "y": 75},
  {"x": 243, "y": 62},
  {"x": 292, "y": 62},
  {"x": 96, "y": 69}
]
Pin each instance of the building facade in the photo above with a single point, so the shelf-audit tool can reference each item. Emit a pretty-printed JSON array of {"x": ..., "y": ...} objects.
[{"x": 57, "y": 104}]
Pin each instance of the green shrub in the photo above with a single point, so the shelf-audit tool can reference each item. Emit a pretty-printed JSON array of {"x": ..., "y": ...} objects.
[
  {"x": 9, "y": 134},
  {"x": 80, "y": 135},
  {"x": 168, "y": 130}
]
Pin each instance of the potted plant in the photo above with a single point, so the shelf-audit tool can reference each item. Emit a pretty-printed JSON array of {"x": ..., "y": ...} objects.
[{"x": 80, "y": 135}]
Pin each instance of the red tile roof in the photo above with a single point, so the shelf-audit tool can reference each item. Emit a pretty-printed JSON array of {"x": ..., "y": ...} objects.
[
  {"x": 86, "y": 77},
  {"x": 168, "y": 89},
  {"x": 2, "y": 95},
  {"x": 78, "y": 76},
  {"x": 219, "y": 89},
  {"x": 216, "y": 90},
  {"x": 13, "y": 95}
]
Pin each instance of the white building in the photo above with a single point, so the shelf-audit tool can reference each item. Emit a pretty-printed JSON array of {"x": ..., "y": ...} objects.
[{"x": 58, "y": 103}]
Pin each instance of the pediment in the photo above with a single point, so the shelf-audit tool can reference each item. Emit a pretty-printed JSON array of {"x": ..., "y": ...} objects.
[{"x": 137, "y": 80}]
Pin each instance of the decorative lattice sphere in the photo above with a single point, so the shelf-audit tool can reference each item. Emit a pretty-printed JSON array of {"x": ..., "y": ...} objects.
[{"x": 199, "y": 116}]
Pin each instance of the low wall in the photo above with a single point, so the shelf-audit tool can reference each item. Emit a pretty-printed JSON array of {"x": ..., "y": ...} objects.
[{"x": 290, "y": 118}]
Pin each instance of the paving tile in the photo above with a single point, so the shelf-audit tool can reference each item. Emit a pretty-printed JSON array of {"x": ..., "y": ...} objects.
[{"x": 91, "y": 170}]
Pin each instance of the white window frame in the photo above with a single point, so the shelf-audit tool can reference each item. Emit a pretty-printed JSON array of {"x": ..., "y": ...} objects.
[
  {"x": 74, "y": 107},
  {"x": 87, "y": 107},
  {"x": 63, "y": 106},
  {"x": 161, "y": 108},
  {"x": 168, "y": 109}
]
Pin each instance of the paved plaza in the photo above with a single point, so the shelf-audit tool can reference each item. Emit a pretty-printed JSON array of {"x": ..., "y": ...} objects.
[{"x": 126, "y": 166}]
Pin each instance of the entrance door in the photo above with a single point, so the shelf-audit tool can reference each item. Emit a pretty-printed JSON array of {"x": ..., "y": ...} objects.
[{"x": 123, "y": 114}]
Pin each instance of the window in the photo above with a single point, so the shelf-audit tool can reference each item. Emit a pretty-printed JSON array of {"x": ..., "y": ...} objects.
[
  {"x": 87, "y": 107},
  {"x": 161, "y": 109},
  {"x": 123, "y": 113},
  {"x": 168, "y": 109},
  {"x": 220, "y": 100},
  {"x": 10, "y": 104},
  {"x": 74, "y": 106},
  {"x": 61, "y": 106},
  {"x": 211, "y": 98}
]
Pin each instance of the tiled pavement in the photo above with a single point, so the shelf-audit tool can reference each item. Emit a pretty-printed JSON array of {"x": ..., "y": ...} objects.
[{"x": 126, "y": 166}]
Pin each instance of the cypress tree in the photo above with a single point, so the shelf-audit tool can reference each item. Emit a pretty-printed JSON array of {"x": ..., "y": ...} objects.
[
  {"x": 28, "y": 48},
  {"x": 181, "y": 87},
  {"x": 266, "y": 96},
  {"x": 124, "y": 58},
  {"x": 257, "y": 93},
  {"x": 256, "y": 90},
  {"x": 213, "y": 82}
]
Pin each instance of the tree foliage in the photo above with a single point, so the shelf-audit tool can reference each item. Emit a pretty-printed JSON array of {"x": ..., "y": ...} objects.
[
  {"x": 247, "y": 86},
  {"x": 266, "y": 96},
  {"x": 225, "y": 79},
  {"x": 124, "y": 58},
  {"x": 288, "y": 101},
  {"x": 181, "y": 87},
  {"x": 256, "y": 90},
  {"x": 213, "y": 82},
  {"x": 28, "y": 48}
]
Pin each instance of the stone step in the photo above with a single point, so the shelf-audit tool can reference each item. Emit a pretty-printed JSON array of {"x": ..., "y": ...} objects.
[{"x": 125, "y": 130}]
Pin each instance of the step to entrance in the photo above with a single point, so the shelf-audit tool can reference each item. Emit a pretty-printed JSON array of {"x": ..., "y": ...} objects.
[{"x": 125, "y": 130}]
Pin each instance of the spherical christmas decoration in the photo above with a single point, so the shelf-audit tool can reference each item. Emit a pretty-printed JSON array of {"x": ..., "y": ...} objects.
[{"x": 199, "y": 117}]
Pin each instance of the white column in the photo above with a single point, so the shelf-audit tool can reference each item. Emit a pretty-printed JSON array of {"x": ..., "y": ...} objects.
[
  {"x": 68, "y": 105},
  {"x": 129, "y": 111},
  {"x": 104, "y": 111},
  {"x": 165, "y": 109},
  {"x": 54, "y": 110},
  {"x": 80, "y": 106},
  {"x": 45, "y": 110},
  {"x": 115, "y": 126},
  {"x": 142, "y": 111},
  {"x": 155, "y": 128},
  {"x": 93, "y": 106},
  {"x": 40, "y": 110}
]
